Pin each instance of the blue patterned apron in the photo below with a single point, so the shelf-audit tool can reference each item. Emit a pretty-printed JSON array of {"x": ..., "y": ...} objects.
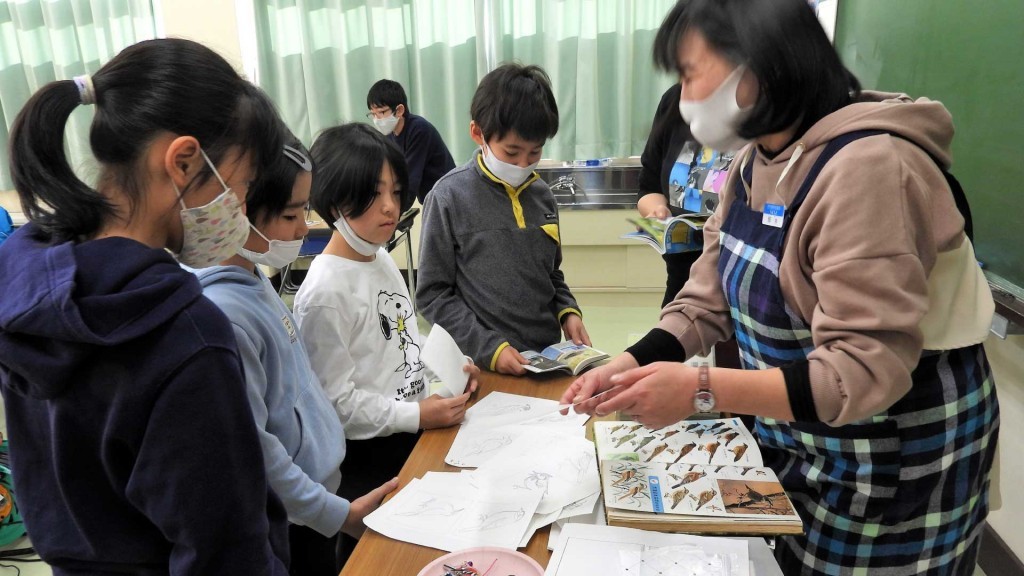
[{"x": 903, "y": 492}]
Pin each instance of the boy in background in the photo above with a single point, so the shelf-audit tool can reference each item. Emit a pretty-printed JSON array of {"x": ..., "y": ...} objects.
[
  {"x": 425, "y": 152},
  {"x": 489, "y": 250}
]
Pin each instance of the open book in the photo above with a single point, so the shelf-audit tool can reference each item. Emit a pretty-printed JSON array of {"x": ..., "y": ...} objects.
[
  {"x": 573, "y": 358},
  {"x": 682, "y": 233},
  {"x": 699, "y": 476}
]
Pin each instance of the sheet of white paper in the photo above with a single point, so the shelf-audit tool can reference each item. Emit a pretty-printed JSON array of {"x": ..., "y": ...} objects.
[
  {"x": 451, "y": 519},
  {"x": 442, "y": 355},
  {"x": 595, "y": 518},
  {"x": 539, "y": 521},
  {"x": 580, "y": 507},
  {"x": 502, "y": 409},
  {"x": 562, "y": 468},
  {"x": 585, "y": 550}
]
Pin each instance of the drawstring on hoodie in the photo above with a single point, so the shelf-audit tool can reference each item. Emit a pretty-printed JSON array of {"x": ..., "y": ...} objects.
[{"x": 785, "y": 171}]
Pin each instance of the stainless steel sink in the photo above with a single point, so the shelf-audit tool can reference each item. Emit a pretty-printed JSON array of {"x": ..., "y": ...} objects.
[{"x": 593, "y": 188}]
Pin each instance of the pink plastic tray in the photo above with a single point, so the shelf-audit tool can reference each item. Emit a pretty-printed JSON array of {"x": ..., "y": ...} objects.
[{"x": 509, "y": 562}]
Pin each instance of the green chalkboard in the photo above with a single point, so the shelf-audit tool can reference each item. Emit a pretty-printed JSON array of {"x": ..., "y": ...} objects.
[{"x": 968, "y": 54}]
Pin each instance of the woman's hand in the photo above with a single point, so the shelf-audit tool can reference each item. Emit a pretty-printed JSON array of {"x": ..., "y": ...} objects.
[
  {"x": 510, "y": 361},
  {"x": 362, "y": 506},
  {"x": 655, "y": 395},
  {"x": 574, "y": 330},
  {"x": 595, "y": 381}
]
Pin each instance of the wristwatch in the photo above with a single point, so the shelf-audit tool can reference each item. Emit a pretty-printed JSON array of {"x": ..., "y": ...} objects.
[{"x": 703, "y": 398}]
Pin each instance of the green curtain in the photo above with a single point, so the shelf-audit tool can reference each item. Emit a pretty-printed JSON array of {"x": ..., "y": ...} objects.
[
  {"x": 318, "y": 58},
  {"x": 46, "y": 40},
  {"x": 598, "y": 54}
]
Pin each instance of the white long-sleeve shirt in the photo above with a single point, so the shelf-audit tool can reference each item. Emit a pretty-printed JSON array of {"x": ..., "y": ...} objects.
[{"x": 357, "y": 322}]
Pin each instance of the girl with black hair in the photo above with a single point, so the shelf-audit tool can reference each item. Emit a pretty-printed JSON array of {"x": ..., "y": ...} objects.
[
  {"x": 302, "y": 438},
  {"x": 355, "y": 313},
  {"x": 131, "y": 437},
  {"x": 839, "y": 259}
]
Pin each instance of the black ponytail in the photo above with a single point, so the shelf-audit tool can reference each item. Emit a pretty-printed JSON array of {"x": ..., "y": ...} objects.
[
  {"x": 51, "y": 194},
  {"x": 159, "y": 86}
]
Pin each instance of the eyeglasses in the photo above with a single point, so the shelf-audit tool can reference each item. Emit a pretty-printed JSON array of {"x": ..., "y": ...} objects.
[{"x": 378, "y": 114}]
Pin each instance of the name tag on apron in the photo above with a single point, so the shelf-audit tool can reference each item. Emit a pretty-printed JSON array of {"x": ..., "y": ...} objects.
[{"x": 773, "y": 215}]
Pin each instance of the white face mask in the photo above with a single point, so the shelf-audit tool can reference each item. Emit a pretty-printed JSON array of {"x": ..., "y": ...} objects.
[
  {"x": 509, "y": 173},
  {"x": 386, "y": 125},
  {"x": 280, "y": 254},
  {"x": 713, "y": 120},
  {"x": 358, "y": 244},
  {"x": 213, "y": 232}
]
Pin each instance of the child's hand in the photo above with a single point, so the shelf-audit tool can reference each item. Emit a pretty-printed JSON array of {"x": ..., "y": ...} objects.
[
  {"x": 438, "y": 412},
  {"x": 353, "y": 525},
  {"x": 510, "y": 361},
  {"x": 659, "y": 212},
  {"x": 474, "y": 372},
  {"x": 574, "y": 330}
]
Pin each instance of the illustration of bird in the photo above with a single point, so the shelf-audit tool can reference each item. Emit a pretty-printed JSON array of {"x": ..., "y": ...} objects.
[
  {"x": 683, "y": 451},
  {"x": 711, "y": 447},
  {"x": 676, "y": 477},
  {"x": 745, "y": 470},
  {"x": 657, "y": 450},
  {"x": 625, "y": 476},
  {"x": 756, "y": 497},
  {"x": 716, "y": 426},
  {"x": 647, "y": 440},
  {"x": 692, "y": 427},
  {"x": 669, "y": 434},
  {"x": 738, "y": 451},
  {"x": 430, "y": 507},
  {"x": 690, "y": 477},
  {"x": 705, "y": 497},
  {"x": 677, "y": 496},
  {"x": 494, "y": 520},
  {"x": 624, "y": 439},
  {"x": 633, "y": 492},
  {"x": 730, "y": 437},
  {"x": 635, "y": 428},
  {"x": 616, "y": 428}
]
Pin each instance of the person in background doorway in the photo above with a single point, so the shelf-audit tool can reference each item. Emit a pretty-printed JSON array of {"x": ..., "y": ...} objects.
[
  {"x": 301, "y": 435},
  {"x": 425, "y": 152},
  {"x": 490, "y": 252},
  {"x": 860, "y": 329},
  {"x": 355, "y": 314},
  {"x": 130, "y": 433}
]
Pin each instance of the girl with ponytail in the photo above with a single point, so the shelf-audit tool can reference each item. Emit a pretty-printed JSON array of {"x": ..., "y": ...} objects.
[{"x": 131, "y": 437}]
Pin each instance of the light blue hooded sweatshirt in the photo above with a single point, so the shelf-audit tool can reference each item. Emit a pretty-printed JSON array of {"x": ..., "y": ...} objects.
[{"x": 302, "y": 439}]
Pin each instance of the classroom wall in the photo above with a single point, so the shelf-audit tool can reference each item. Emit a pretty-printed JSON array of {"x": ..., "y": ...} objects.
[{"x": 211, "y": 22}]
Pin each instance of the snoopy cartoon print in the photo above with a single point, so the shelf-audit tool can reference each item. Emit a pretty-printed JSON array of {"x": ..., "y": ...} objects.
[{"x": 395, "y": 312}]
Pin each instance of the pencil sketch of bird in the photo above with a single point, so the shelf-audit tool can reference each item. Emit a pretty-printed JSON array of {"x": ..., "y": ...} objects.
[
  {"x": 705, "y": 497},
  {"x": 738, "y": 451},
  {"x": 657, "y": 450}
]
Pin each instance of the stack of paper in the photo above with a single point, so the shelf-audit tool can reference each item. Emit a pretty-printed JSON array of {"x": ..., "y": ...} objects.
[{"x": 534, "y": 467}]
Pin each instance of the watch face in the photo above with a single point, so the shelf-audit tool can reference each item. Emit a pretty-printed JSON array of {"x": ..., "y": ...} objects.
[{"x": 704, "y": 401}]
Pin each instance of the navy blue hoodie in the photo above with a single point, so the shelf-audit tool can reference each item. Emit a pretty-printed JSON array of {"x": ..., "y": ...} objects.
[{"x": 133, "y": 448}]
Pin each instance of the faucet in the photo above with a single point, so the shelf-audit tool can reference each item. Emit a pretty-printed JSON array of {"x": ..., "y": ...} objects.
[{"x": 566, "y": 182}]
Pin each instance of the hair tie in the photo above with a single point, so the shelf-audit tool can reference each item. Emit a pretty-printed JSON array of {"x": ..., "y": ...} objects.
[
  {"x": 86, "y": 90},
  {"x": 296, "y": 155}
]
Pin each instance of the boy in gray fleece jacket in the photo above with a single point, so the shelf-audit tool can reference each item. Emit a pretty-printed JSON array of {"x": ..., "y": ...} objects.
[{"x": 489, "y": 250}]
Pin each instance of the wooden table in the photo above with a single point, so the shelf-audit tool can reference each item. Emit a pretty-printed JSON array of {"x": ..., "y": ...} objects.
[{"x": 378, "y": 554}]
